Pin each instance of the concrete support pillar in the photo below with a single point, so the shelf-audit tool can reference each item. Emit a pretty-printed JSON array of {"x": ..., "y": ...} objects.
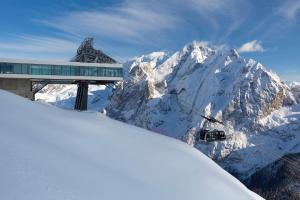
[
  {"x": 21, "y": 87},
  {"x": 82, "y": 96}
]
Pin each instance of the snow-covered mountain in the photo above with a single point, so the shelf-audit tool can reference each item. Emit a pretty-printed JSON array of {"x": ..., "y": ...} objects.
[
  {"x": 168, "y": 94},
  {"x": 49, "y": 153}
]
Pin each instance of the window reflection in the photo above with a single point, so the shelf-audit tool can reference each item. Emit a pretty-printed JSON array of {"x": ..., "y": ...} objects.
[{"x": 59, "y": 70}]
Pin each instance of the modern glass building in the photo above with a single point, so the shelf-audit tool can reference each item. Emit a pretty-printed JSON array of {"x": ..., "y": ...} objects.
[{"x": 60, "y": 70}]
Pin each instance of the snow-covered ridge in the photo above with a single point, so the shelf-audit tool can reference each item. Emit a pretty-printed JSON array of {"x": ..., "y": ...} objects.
[{"x": 49, "y": 153}]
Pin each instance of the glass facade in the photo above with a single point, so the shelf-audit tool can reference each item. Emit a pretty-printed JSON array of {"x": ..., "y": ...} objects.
[{"x": 59, "y": 70}]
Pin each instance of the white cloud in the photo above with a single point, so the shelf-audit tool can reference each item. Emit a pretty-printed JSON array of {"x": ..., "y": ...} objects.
[
  {"x": 127, "y": 22},
  {"x": 39, "y": 44},
  {"x": 252, "y": 46},
  {"x": 36, "y": 46},
  {"x": 149, "y": 21},
  {"x": 289, "y": 9},
  {"x": 278, "y": 21}
]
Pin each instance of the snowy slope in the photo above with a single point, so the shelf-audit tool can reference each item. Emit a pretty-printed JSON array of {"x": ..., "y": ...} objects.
[{"x": 49, "y": 153}]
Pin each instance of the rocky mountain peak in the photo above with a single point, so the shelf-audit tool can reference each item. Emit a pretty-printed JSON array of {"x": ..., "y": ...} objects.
[{"x": 168, "y": 95}]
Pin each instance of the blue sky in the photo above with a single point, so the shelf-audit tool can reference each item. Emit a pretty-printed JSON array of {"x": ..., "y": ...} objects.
[{"x": 266, "y": 30}]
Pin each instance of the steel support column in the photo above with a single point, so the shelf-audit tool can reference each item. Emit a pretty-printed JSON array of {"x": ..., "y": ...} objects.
[{"x": 82, "y": 96}]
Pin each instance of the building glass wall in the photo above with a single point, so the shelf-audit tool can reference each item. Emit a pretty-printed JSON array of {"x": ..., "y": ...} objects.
[{"x": 59, "y": 70}]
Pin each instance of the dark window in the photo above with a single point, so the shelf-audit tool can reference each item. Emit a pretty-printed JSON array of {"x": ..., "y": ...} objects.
[
  {"x": 56, "y": 70},
  {"x": 66, "y": 70},
  {"x": 6, "y": 68},
  {"x": 17, "y": 68},
  {"x": 101, "y": 71},
  {"x": 35, "y": 70},
  {"x": 74, "y": 71},
  {"x": 25, "y": 68},
  {"x": 45, "y": 70}
]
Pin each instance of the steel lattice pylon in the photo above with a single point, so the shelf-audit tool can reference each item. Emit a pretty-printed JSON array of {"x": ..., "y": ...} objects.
[{"x": 86, "y": 53}]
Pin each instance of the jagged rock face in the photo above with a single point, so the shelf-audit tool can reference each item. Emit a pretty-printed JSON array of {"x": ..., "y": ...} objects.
[
  {"x": 168, "y": 94},
  {"x": 278, "y": 180}
]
